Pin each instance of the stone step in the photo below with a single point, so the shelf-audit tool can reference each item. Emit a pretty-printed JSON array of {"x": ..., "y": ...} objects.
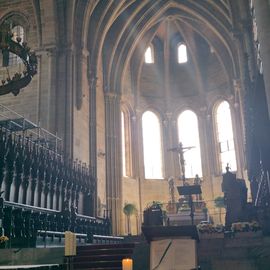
[
  {"x": 102, "y": 268},
  {"x": 97, "y": 264},
  {"x": 103, "y": 257},
  {"x": 104, "y": 251},
  {"x": 105, "y": 246}
]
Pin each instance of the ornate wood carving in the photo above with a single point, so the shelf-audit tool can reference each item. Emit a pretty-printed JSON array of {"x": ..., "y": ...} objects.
[
  {"x": 18, "y": 168},
  {"x": 26, "y": 170},
  {"x": 9, "y": 164}
]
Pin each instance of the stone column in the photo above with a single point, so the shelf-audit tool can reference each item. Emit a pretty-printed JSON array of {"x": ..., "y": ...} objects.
[
  {"x": 92, "y": 123},
  {"x": 65, "y": 99},
  {"x": 174, "y": 142},
  {"x": 92, "y": 80},
  {"x": 238, "y": 127},
  {"x": 262, "y": 14},
  {"x": 113, "y": 158},
  {"x": 207, "y": 156},
  {"x": 52, "y": 55},
  {"x": 168, "y": 143}
]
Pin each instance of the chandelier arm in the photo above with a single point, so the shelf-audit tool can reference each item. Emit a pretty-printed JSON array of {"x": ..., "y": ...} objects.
[{"x": 28, "y": 57}]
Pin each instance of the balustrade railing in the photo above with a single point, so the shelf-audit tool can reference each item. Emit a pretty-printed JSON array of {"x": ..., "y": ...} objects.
[
  {"x": 22, "y": 223},
  {"x": 43, "y": 191},
  {"x": 32, "y": 174}
]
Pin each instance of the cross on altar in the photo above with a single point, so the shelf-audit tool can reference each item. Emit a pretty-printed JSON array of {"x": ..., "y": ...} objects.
[{"x": 180, "y": 150}]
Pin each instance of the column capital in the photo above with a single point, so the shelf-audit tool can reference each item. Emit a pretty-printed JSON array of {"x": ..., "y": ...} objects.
[
  {"x": 111, "y": 95},
  {"x": 202, "y": 111},
  {"x": 237, "y": 85},
  {"x": 169, "y": 115}
]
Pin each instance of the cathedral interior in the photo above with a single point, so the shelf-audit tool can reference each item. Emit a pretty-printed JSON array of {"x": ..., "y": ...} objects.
[{"x": 126, "y": 100}]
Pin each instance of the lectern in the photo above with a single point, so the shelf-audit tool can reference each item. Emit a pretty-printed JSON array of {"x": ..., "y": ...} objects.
[{"x": 189, "y": 191}]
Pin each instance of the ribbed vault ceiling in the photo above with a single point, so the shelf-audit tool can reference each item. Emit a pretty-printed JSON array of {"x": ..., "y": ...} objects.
[{"x": 115, "y": 30}]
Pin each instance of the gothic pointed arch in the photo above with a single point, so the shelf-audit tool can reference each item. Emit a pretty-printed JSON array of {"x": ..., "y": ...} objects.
[{"x": 118, "y": 46}]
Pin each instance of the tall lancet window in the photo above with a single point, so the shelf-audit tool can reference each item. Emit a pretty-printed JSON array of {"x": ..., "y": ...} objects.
[
  {"x": 182, "y": 53},
  {"x": 153, "y": 160},
  {"x": 149, "y": 55},
  {"x": 188, "y": 134},
  {"x": 225, "y": 136}
]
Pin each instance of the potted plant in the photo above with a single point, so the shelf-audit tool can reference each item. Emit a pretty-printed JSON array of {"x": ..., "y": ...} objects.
[
  {"x": 209, "y": 231},
  {"x": 3, "y": 241},
  {"x": 246, "y": 229},
  {"x": 129, "y": 210}
]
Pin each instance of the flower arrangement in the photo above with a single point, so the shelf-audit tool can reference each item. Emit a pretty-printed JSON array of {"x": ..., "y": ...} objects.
[
  {"x": 3, "y": 239},
  {"x": 245, "y": 226},
  {"x": 210, "y": 228}
]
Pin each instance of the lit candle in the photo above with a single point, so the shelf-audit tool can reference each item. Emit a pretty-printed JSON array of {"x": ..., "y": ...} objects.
[{"x": 127, "y": 264}]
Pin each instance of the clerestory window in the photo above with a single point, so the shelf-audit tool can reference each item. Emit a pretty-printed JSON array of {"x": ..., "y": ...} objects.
[
  {"x": 182, "y": 53},
  {"x": 149, "y": 55}
]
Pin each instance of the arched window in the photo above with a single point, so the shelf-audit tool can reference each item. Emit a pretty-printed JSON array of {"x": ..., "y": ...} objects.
[
  {"x": 188, "y": 135},
  {"x": 18, "y": 32},
  {"x": 225, "y": 136},
  {"x": 153, "y": 162},
  {"x": 149, "y": 55},
  {"x": 182, "y": 53}
]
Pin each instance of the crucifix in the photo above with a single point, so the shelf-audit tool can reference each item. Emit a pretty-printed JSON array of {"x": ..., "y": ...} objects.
[{"x": 180, "y": 150}]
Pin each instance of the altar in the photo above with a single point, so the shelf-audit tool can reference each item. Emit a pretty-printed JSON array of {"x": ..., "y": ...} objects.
[{"x": 172, "y": 247}]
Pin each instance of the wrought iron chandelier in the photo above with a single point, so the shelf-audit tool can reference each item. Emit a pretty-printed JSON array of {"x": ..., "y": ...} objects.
[{"x": 20, "y": 79}]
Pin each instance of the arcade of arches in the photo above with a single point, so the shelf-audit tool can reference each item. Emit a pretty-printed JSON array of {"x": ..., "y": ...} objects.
[{"x": 106, "y": 65}]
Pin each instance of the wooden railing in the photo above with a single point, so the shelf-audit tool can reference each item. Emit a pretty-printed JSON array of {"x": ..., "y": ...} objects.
[
  {"x": 33, "y": 174},
  {"x": 43, "y": 191},
  {"x": 22, "y": 224}
]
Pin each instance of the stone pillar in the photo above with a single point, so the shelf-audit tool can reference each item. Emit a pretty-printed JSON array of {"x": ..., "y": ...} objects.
[
  {"x": 92, "y": 123},
  {"x": 174, "y": 142},
  {"x": 65, "y": 99},
  {"x": 262, "y": 14},
  {"x": 169, "y": 143},
  {"x": 92, "y": 80},
  {"x": 206, "y": 145},
  {"x": 52, "y": 55},
  {"x": 113, "y": 158},
  {"x": 238, "y": 127}
]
